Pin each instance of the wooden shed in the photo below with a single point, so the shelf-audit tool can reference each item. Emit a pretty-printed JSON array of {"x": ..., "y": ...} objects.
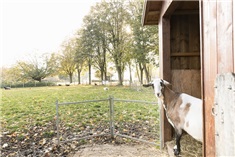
[{"x": 196, "y": 43}]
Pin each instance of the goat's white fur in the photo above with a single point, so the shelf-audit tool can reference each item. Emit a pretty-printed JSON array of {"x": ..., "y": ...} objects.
[{"x": 194, "y": 116}]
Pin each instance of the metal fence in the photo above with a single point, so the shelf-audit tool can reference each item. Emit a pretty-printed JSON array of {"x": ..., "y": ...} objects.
[{"x": 131, "y": 119}]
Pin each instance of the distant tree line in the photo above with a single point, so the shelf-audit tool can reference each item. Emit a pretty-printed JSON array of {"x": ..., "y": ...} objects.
[{"x": 112, "y": 37}]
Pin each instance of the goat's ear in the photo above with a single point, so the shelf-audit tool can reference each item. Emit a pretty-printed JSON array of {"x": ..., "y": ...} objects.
[
  {"x": 164, "y": 82},
  {"x": 148, "y": 85}
]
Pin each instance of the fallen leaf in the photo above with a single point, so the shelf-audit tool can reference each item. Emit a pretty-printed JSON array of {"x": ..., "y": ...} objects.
[
  {"x": 5, "y": 145},
  {"x": 43, "y": 142}
]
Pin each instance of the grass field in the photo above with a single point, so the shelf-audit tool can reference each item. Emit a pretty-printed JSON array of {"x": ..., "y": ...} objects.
[{"x": 31, "y": 111}]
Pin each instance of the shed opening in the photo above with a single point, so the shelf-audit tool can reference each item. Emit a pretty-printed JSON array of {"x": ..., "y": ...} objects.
[{"x": 185, "y": 49}]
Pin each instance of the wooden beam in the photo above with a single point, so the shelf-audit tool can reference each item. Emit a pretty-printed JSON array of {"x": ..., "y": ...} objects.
[
  {"x": 169, "y": 8},
  {"x": 186, "y": 12},
  {"x": 153, "y": 13},
  {"x": 165, "y": 73}
]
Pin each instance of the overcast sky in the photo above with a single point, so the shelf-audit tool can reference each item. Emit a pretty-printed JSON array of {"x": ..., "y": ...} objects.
[{"x": 38, "y": 26}]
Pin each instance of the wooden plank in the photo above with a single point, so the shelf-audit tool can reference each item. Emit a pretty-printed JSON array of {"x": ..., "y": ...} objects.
[
  {"x": 209, "y": 66},
  {"x": 175, "y": 34},
  {"x": 224, "y": 112},
  {"x": 151, "y": 17},
  {"x": 233, "y": 37},
  {"x": 169, "y": 7},
  {"x": 165, "y": 72},
  {"x": 196, "y": 85},
  {"x": 201, "y": 28},
  {"x": 187, "y": 81},
  {"x": 194, "y": 41},
  {"x": 175, "y": 41},
  {"x": 185, "y": 54},
  {"x": 184, "y": 40},
  {"x": 153, "y": 13},
  {"x": 225, "y": 36},
  {"x": 186, "y": 12}
]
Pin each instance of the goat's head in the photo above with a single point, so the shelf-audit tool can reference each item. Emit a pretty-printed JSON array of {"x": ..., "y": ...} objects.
[{"x": 158, "y": 86}]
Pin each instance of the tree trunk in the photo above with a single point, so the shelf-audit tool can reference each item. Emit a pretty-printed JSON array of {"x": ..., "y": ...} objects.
[
  {"x": 137, "y": 71},
  {"x": 71, "y": 77},
  {"x": 89, "y": 73},
  {"x": 130, "y": 73},
  {"x": 102, "y": 74},
  {"x": 120, "y": 79},
  {"x": 79, "y": 76},
  {"x": 146, "y": 73},
  {"x": 141, "y": 73},
  {"x": 105, "y": 67}
]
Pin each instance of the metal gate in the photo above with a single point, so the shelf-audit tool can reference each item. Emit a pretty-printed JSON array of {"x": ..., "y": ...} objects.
[
  {"x": 118, "y": 121},
  {"x": 224, "y": 112}
]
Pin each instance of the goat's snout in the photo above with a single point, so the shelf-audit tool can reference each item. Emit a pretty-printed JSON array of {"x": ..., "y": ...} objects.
[{"x": 158, "y": 94}]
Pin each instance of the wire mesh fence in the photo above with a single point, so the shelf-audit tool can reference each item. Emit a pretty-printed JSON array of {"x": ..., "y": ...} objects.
[{"x": 130, "y": 119}]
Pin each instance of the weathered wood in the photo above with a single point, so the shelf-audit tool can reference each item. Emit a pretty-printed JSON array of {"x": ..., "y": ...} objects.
[
  {"x": 233, "y": 36},
  {"x": 175, "y": 41},
  {"x": 169, "y": 7},
  {"x": 209, "y": 60},
  {"x": 185, "y": 42},
  {"x": 165, "y": 73},
  {"x": 151, "y": 12},
  {"x": 187, "y": 81},
  {"x": 185, "y": 54},
  {"x": 224, "y": 114},
  {"x": 194, "y": 41},
  {"x": 186, "y": 12},
  {"x": 224, "y": 36}
]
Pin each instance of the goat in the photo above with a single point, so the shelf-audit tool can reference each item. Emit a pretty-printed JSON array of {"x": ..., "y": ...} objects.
[{"x": 184, "y": 112}]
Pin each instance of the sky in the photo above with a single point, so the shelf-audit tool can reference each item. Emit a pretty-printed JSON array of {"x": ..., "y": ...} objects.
[{"x": 29, "y": 27}]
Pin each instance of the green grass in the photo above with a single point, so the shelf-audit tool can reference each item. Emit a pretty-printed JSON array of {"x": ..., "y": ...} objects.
[{"x": 23, "y": 108}]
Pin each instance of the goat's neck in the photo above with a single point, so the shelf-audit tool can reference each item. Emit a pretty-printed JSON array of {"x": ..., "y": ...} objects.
[{"x": 169, "y": 96}]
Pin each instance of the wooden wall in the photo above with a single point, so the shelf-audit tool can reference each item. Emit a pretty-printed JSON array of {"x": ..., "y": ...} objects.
[
  {"x": 185, "y": 52},
  {"x": 217, "y": 29},
  {"x": 187, "y": 81},
  {"x": 185, "y": 41}
]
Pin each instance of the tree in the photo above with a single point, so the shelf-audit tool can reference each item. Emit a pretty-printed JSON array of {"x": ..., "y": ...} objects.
[
  {"x": 38, "y": 67},
  {"x": 10, "y": 75},
  {"x": 87, "y": 48},
  {"x": 79, "y": 57},
  {"x": 94, "y": 37},
  {"x": 145, "y": 41},
  {"x": 116, "y": 22},
  {"x": 105, "y": 37},
  {"x": 67, "y": 58}
]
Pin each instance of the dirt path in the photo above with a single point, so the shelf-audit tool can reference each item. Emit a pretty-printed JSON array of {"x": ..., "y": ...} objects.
[
  {"x": 112, "y": 150},
  {"x": 189, "y": 148}
]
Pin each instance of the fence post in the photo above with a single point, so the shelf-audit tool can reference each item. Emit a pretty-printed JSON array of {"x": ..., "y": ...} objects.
[
  {"x": 57, "y": 122},
  {"x": 111, "y": 110}
]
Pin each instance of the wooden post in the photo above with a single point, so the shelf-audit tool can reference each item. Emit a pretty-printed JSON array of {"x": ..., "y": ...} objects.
[
  {"x": 111, "y": 103},
  {"x": 165, "y": 73},
  {"x": 57, "y": 122}
]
